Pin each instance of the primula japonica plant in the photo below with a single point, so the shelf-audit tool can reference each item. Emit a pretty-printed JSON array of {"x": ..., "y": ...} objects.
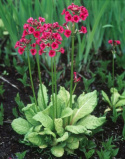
[
  {"x": 117, "y": 100},
  {"x": 61, "y": 120}
]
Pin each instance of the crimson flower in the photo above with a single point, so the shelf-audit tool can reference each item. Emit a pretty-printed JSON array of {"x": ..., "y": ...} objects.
[
  {"x": 76, "y": 79},
  {"x": 67, "y": 33},
  {"x": 83, "y": 30},
  {"x": 20, "y": 50},
  {"x": 33, "y": 51},
  {"x": 68, "y": 17},
  {"x": 31, "y": 30},
  {"x": 41, "y": 52},
  {"x": 75, "y": 18},
  {"x": 36, "y": 34},
  {"x": 52, "y": 53},
  {"x": 42, "y": 46},
  {"x": 54, "y": 45}
]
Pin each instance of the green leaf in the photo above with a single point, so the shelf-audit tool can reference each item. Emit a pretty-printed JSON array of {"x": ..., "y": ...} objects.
[
  {"x": 57, "y": 151},
  {"x": 36, "y": 139},
  {"x": 40, "y": 97},
  {"x": 80, "y": 98},
  {"x": 30, "y": 111},
  {"x": 72, "y": 143},
  {"x": 38, "y": 128},
  {"x": 44, "y": 119},
  {"x": 87, "y": 105},
  {"x": 120, "y": 103},
  {"x": 59, "y": 126},
  {"x": 106, "y": 98},
  {"x": 89, "y": 153},
  {"x": 47, "y": 132},
  {"x": 77, "y": 129},
  {"x": 63, "y": 138},
  {"x": 115, "y": 97},
  {"x": 66, "y": 112},
  {"x": 20, "y": 125},
  {"x": 91, "y": 122}
]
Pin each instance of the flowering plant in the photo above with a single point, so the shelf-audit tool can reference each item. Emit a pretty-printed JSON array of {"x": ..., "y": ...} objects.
[{"x": 61, "y": 121}]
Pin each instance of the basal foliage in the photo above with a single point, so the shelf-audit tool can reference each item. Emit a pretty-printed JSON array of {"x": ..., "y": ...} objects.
[{"x": 64, "y": 132}]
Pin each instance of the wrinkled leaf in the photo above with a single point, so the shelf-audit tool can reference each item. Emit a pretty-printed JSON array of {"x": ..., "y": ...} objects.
[
  {"x": 66, "y": 112},
  {"x": 63, "y": 138},
  {"x": 57, "y": 151},
  {"x": 36, "y": 139},
  {"x": 21, "y": 126},
  {"x": 91, "y": 122},
  {"x": 72, "y": 143},
  {"x": 44, "y": 119},
  {"x": 59, "y": 126},
  {"x": 86, "y": 107},
  {"x": 40, "y": 97},
  {"x": 77, "y": 129}
]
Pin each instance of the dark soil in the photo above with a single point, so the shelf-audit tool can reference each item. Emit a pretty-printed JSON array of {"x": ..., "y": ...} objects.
[{"x": 10, "y": 141}]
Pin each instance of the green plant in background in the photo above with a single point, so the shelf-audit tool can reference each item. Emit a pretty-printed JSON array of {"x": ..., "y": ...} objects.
[
  {"x": 20, "y": 105},
  {"x": 1, "y": 114},
  {"x": 87, "y": 83},
  {"x": 2, "y": 90},
  {"x": 88, "y": 147},
  {"x": 108, "y": 151},
  {"x": 123, "y": 116},
  {"x": 24, "y": 80},
  {"x": 120, "y": 81},
  {"x": 21, "y": 155},
  {"x": 116, "y": 100}
]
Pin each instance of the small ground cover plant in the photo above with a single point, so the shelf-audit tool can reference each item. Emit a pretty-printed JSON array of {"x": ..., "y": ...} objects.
[{"x": 59, "y": 121}]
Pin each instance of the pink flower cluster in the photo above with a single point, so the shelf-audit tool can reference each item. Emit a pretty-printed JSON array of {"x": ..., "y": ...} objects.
[
  {"x": 40, "y": 35},
  {"x": 76, "y": 79},
  {"x": 78, "y": 13},
  {"x": 114, "y": 42}
]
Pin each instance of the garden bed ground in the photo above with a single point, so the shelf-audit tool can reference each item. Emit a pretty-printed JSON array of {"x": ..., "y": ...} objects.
[{"x": 9, "y": 140}]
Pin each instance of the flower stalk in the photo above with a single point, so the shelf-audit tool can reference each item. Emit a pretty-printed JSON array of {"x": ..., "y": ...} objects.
[
  {"x": 31, "y": 80},
  {"x": 72, "y": 59},
  {"x": 39, "y": 74}
]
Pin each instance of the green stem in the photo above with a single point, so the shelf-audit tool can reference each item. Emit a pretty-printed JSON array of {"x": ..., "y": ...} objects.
[
  {"x": 113, "y": 53},
  {"x": 52, "y": 89},
  {"x": 72, "y": 57},
  {"x": 55, "y": 80},
  {"x": 39, "y": 74},
  {"x": 31, "y": 80}
]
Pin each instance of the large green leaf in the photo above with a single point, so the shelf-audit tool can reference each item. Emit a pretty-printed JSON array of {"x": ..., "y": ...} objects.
[
  {"x": 63, "y": 138},
  {"x": 40, "y": 97},
  {"x": 106, "y": 98},
  {"x": 36, "y": 139},
  {"x": 57, "y": 151},
  {"x": 114, "y": 98},
  {"x": 47, "y": 131},
  {"x": 80, "y": 98},
  {"x": 66, "y": 112},
  {"x": 86, "y": 106},
  {"x": 91, "y": 122},
  {"x": 59, "y": 126},
  {"x": 72, "y": 143},
  {"x": 77, "y": 129},
  {"x": 120, "y": 103},
  {"x": 44, "y": 119},
  {"x": 29, "y": 112},
  {"x": 21, "y": 126}
]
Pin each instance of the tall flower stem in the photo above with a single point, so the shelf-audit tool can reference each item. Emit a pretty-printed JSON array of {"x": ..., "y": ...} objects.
[
  {"x": 55, "y": 80},
  {"x": 31, "y": 80},
  {"x": 72, "y": 58},
  {"x": 113, "y": 54},
  {"x": 39, "y": 74},
  {"x": 54, "y": 108}
]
